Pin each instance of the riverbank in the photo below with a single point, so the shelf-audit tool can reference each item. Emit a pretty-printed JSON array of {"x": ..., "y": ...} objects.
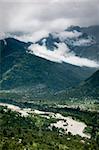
[{"x": 66, "y": 123}]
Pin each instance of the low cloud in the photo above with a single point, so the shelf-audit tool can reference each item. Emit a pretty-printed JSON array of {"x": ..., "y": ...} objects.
[
  {"x": 67, "y": 34},
  {"x": 83, "y": 42},
  {"x": 61, "y": 54},
  {"x": 32, "y": 37},
  {"x": 3, "y": 35},
  {"x": 62, "y": 35}
]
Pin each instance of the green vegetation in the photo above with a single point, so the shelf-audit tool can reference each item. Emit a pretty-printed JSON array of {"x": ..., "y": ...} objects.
[
  {"x": 32, "y": 133},
  {"x": 32, "y": 76},
  {"x": 87, "y": 89},
  {"x": 32, "y": 82}
]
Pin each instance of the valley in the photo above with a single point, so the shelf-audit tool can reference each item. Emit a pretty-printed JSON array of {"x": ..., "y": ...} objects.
[
  {"x": 50, "y": 102},
  {"x": 70, "y": 127},
  {"x": 65, "y": 123}
]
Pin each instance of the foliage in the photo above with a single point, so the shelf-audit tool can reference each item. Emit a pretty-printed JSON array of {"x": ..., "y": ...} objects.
[{"x": 32, "y": 133}]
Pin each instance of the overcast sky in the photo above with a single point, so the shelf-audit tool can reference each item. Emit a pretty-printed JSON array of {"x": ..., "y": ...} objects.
[{"x": 43, "y": 16}]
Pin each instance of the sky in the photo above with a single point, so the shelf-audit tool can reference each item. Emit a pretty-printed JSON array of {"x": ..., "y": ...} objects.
[
  {"x": 34, "y": 16},
  {"x": 34, "y": 19}
]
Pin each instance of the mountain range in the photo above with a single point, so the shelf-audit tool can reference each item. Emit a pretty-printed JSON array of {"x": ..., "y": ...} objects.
[
  {"x": 84, "y": 41},
  {"x": 24, "y": 72}
]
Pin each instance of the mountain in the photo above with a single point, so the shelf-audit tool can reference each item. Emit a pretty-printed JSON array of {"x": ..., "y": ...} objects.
[
  {"x": 91, "y": 85},
  {"x": 25, "y": 73},
  {"x": 90, "y": 50},
  {"x": 87, "y": 88},
  {"x": 83, "y": 41},
  {"x": 92, "y": 31}
]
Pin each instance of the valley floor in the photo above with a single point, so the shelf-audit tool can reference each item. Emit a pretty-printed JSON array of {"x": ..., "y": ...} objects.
[
  {"x": 47, "y": 128},
  {"x": 66, "y": 123}
]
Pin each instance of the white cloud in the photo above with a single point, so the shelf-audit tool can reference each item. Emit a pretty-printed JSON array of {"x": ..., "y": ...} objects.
[
  {"x": 67, "y": 34},
  {"x": 62, "y": 54},
  {"x": 83, "y": 42},
  {"x": 32, "y": 37},
  {"x": 2, "y": 35},
  {"x": 31, "y": 16},
  {"x": 62, "y": 35}
]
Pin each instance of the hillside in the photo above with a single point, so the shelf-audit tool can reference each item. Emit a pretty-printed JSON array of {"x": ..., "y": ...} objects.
[
  {"x": 91, "y": 86},
  {"x": 88, "y": 88},
  {"x": 88, "y": 51},
  {"x": 26, "y": 73}
]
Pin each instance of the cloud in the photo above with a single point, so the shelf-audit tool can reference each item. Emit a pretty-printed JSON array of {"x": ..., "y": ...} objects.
[
  {"x": 83, "y": 42},
  {"x": 66, "y": 34},
  {"x": 62, "y": 35},
  {"x": 61, "y": 54},
  {"x": 32, "y": 16},
  {"x": 31, "y": 37},
  {"x": 2, "y": 35}
]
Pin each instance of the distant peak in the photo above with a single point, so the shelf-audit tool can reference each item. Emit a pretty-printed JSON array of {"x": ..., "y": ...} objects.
[{"x": 72, "y": 28}]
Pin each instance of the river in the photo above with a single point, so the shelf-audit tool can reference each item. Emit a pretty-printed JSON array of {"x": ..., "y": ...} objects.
[{"x": 67, "y": 123}]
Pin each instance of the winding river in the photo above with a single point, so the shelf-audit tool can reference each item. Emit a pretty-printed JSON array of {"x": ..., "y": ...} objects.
[{"x": 66, "y": 123}]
